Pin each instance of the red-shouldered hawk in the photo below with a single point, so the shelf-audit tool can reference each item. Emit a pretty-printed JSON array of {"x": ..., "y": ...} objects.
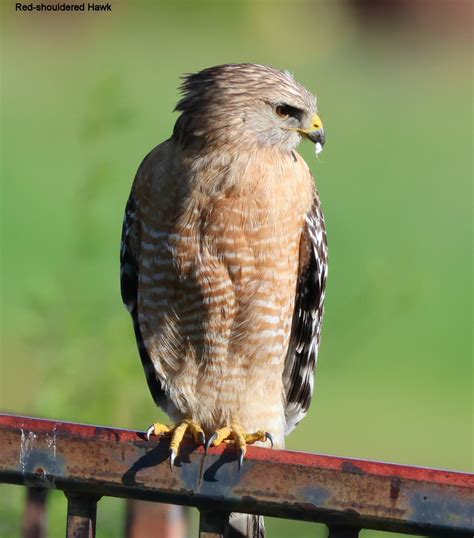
[{"x": 224, "y": 259}]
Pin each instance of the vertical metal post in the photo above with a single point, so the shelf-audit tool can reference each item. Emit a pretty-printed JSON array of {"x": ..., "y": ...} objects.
[
  {"x": 213, "y": 524},
  {"x": 81, "y": 514},
  {"x": 145, "y": 519},
  {"x": 34, "y": 517},
  {"x": 343, "y": 531}
]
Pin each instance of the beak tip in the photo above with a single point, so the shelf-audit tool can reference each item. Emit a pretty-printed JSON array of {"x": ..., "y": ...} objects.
[{"x": 318, "y": 137}]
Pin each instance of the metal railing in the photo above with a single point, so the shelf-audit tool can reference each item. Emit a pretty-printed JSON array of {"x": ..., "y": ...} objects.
[{"x": 347, "y": 495}]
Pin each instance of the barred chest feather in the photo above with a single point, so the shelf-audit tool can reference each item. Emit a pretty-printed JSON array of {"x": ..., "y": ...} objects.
[{"x": 217, "y": 282}]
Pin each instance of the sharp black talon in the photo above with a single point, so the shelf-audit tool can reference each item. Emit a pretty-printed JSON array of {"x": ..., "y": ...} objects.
[
  {"x": 172, "y": 458},
  {"x": 269, "y": 438},
  {"x": 209, "y": 442},
  {"x": 202, "y": 438},
  {"x": 149, "y": 432},
  {"x": 241, "y": 457}
]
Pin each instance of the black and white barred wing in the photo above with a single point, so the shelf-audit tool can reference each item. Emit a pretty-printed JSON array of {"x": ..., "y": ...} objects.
[
  {"x": 129, "y": 270},
  {"x": 129, "y": 249},
  {"x": 298, "y": 375}
]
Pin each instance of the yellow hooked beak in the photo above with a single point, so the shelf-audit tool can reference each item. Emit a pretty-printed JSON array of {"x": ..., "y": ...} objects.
[
  {"x": 315, "y": 133},
  {"x": 316, "y": 125}
]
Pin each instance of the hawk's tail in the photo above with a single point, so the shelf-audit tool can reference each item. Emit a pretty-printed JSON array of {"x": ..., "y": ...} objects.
[{"x": 246, "y": 526}]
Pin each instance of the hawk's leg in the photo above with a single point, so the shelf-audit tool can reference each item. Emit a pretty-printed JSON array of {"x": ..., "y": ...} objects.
[
  {"x": 177, "y": 433},
  {"x": 239, "y": 436}
]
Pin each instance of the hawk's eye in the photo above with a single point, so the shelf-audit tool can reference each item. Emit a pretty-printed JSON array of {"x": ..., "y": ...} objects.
[{"x": 285, "y": 111}]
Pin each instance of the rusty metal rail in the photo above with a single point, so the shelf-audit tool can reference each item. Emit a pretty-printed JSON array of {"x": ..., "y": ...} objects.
[{"x": 88, "y": 462}]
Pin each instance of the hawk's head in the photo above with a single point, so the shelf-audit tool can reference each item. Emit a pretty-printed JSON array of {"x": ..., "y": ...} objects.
[{"x": 247, "y": 105}]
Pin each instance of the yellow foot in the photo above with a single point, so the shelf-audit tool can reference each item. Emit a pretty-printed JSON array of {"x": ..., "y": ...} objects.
[
  {"x": 235, "y": 433},
  {"x": 177, "y": 432}
]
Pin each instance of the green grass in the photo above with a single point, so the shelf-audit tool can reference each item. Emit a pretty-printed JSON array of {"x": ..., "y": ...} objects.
[{"x": 83, "y": 101}]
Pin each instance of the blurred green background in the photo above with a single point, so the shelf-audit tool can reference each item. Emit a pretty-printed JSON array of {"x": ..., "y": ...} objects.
[{"x": 85, "y": 96}]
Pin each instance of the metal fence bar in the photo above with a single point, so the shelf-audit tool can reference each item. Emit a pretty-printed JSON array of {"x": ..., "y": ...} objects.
[
  {"x": 294, "y": 485},
  {"x": 145, "y": 519},
  {"x": 34, "y": 517},
  {"x": 343, "y": 531},
  {"x": 81, "y": 515},
  {"x": 213, "y": 524}
]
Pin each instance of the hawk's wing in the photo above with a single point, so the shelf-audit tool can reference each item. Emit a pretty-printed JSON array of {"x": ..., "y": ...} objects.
[
  {"x": 129, "y": 251},
  {"x": 307, "y": 318},
  {"x": 129, "y": 255}
]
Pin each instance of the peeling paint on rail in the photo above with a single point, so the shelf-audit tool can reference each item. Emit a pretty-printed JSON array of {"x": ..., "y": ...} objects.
[{"x": 313, "y": 487}]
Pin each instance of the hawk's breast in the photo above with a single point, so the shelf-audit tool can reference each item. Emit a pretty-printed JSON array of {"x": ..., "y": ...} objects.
[{"x": 217, "y": 289}]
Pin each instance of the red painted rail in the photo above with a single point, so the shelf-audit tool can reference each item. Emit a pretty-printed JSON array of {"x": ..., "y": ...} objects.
[{"x": 88, "y": 462}]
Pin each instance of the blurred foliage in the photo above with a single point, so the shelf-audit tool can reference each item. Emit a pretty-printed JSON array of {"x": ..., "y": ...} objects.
[{"x": 85, "y": 97}]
